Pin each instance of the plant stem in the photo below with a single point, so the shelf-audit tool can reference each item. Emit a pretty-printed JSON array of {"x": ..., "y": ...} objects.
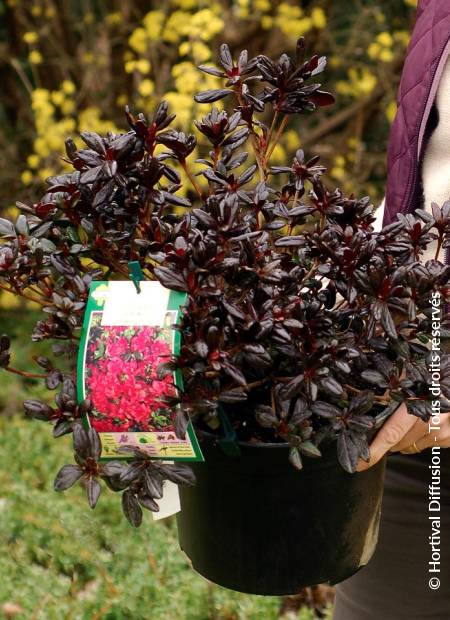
[
  {"x": 191, "y": 178},
  {"x": 438, "y": 249},
  {"x": 272, "y": 127},
  {"x": 216, "y": 156},
  {"x": 250, "y": 386},
  {"x": 312, "y": 270},
  {"x": 280, "y": 130},
  {"x": 294, "y": 203},
  {"x": 37, "y": 291},
  {"x": 253, "y": 136},
  {"x": 379, "y": 399},
  {"x": 24, "y": 295},
  {"x": 22, "y": 373},
  {"x": 22, "y": 75}
]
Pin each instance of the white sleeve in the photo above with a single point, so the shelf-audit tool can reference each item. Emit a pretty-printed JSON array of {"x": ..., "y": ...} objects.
[{"x": 379, "y": 213}]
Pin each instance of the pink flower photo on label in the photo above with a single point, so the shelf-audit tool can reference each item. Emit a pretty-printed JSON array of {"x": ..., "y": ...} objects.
[{"x": 121, "y": 378}]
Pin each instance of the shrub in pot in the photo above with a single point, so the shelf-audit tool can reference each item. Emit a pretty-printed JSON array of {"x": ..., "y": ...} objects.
[{"x": 303, "y": 330}]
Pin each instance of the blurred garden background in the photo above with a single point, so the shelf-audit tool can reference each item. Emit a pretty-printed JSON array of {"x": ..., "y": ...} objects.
[{"x": 72, "y": 65}]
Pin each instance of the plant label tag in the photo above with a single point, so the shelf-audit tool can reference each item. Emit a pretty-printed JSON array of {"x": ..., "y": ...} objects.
[
  {"x": 126, "y": 336},
  {"x": 124, "y": 306},
  {"x": 169, "y": 504}
]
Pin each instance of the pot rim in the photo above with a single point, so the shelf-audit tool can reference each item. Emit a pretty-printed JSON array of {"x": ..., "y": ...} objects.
[{"x": 246, "y": 444}]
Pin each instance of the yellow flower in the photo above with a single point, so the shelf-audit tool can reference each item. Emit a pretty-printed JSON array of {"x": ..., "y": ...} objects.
[
  {"x": 176, "y": 26},
  {"x": 35, "y": 57},
  {"x": 138, "y": 40},
  {"x": 411, "y": 2},
  {"x": 262, "y": 5},
  {"x": 9, "y": 301},
  {"x": 143, "y": 65},
  {"x": 183, "y": 104},
  {"x": 337, "y": 173},
  {"x": 26, "y": 177},
  {"x": 89, "y": 120},
  {"x": 153, "y": 23},
  {"x": 68, "y": 87},
  {"x": 67, "y": 125},
  {"x": 44, "y": 173},
  {"x": 146, "y": 88},
  {"x": 391, "y": 110},
  {"x": 187, "y": 77},
  {"x": 289, "y": 11},
  {"x": 40, "y": 96},
  {"x": 11, "y": 212},
  {"x": 359, "y": 84},
  {"x": 115, "y": 18},
  {"x": 290, "y": 20},
  {"x": 380, "y": 17},
  {"x": 266, "y": 22},
  {"x": 386, "y": 55},
  {"x": 67, "y": 107},
  {"x": 87, "y": 58},
  {"x": 318, "y": 17},
  {"x": 33, "y": 161},
  {"x": 373, "y": 51},
  {"x": 41, "y": 148},
  {"x": 402, "y": 36},
  {"x": 302, "y": 26},
  {"x": 385, "y": 39},
  {"x": 200, "y": 51},
  {"x": 366, "y": 81},
  {"x": 205, "y": 25},
  {"x": 31, "y": 37},
  {"x": 130, "y": 66},
  {"x": 89, "y": 17},
  {"x": 122, "y": 100},
  {"x": 57, "y": 97},
  {"x": 243, "y": 9},
  {"x": 278, "y": 155},
  {"x": 186, "y": 4},
  {"x": 184, "y": 48},
  {"x": 292, "y": 140}
]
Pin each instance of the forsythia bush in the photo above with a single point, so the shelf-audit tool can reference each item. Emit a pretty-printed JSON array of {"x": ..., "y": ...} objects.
[{"x": 68, "y": 68}]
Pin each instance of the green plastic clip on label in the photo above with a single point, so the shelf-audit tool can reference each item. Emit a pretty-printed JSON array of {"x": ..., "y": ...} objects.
[{"x": 136, "y": 274}]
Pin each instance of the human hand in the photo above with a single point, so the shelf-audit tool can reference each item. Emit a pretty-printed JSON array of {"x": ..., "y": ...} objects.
[{"x": 407, "y": 434}]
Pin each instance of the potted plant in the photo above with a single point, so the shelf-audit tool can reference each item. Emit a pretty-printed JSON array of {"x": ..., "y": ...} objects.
[{"x": 303, "y": 329}]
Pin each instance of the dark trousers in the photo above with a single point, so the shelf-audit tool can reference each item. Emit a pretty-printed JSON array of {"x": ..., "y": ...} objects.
[{"x": 395, "y": 583}]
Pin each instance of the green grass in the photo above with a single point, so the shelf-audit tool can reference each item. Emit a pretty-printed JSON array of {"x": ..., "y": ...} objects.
[{"x": 60, "y": 560}]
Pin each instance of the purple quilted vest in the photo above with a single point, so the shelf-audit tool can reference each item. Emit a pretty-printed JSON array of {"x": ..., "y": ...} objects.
[{"x": 427, "y": 53}]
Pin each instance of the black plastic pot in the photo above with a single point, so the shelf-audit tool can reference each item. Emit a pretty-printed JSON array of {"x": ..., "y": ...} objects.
[{"x": 255, "y": 524}]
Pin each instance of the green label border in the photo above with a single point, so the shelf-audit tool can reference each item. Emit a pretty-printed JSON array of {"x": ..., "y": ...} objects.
[{"x": 95, "y": 304}]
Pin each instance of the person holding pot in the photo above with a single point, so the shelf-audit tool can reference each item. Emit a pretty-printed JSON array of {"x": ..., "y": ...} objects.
[{"x": 409, "y": 575}]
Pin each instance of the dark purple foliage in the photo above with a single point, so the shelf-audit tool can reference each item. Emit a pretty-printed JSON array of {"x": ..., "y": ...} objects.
[{"x": 302, "y": 325}]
